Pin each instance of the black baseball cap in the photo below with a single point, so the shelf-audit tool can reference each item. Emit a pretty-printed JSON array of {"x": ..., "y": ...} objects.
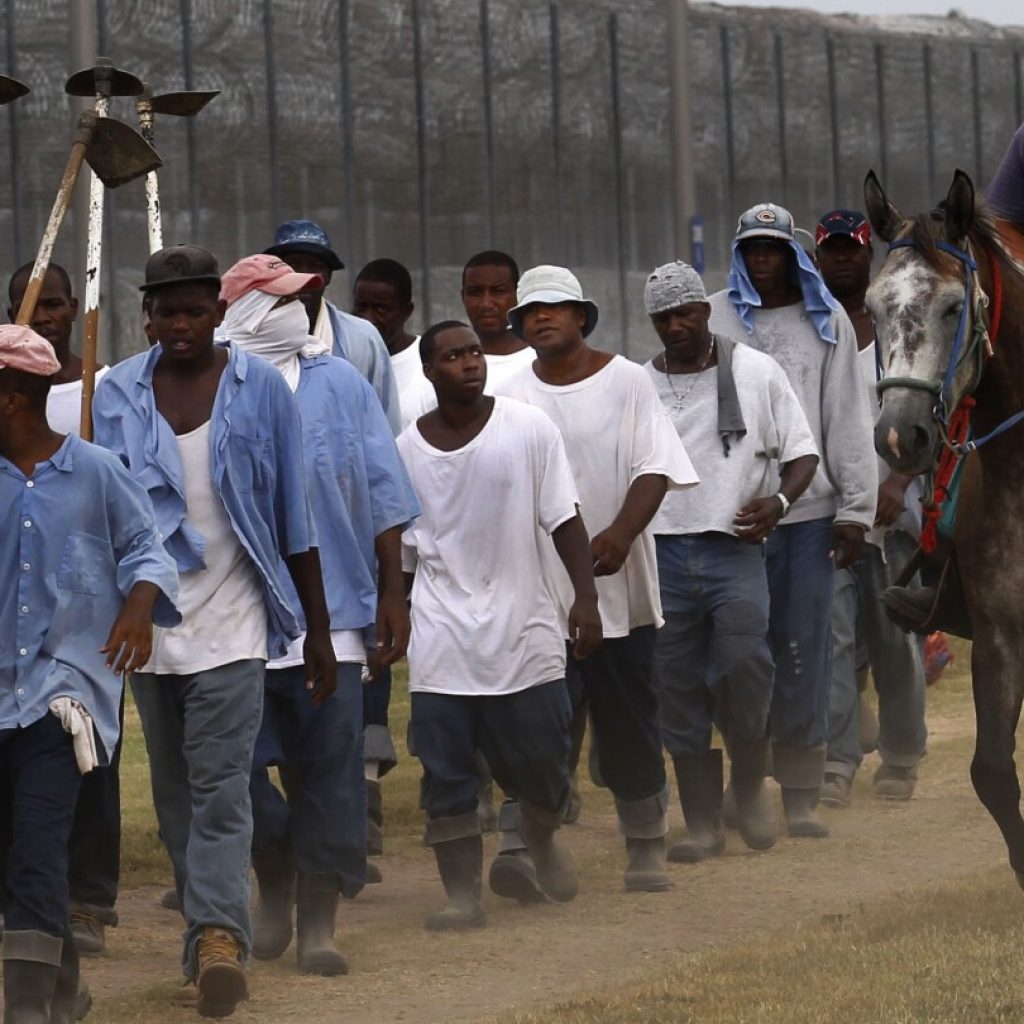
[{"x": 180, "y": 264}]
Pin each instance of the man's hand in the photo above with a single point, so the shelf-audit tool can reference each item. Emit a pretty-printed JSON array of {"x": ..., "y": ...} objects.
[
  {"x": 321, "y": 665},
  {"x": 585, "y": 631},
  {"x": 757, "y": 519},
  {"x": 891, "y": 493},
  {"x": 847, "y": 542},
  {"x": 392, "y": 634},
  {"x": 609, "y": 549},
  {"x": 130, "y": 642}
]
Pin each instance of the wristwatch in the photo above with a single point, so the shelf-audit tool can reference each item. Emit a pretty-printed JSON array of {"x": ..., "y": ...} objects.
[{"x": 785, "y": 503}]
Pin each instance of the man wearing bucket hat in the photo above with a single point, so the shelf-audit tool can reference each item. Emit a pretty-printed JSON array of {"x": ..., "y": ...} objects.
[
  {"x": 215, "y": 434},
  {"x": 311, "y": 843},
  {"x": 777, "y": 303},
  {"x": 624, "y": 454},
  {"x": 306, "y": 247},
  {"x": 83, "y": 576},
  {"x": 742, "y": 425}
]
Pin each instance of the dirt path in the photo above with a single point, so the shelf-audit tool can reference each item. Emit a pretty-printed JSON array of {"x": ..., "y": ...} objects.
[{"x": 541, "y": 955}]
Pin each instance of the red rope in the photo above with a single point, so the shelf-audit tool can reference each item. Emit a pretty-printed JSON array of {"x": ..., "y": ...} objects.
[{"x": 958, "y": 428}]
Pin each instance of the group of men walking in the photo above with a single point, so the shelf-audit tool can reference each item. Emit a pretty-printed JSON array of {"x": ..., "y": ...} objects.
[{"x": 654, "y": 552}]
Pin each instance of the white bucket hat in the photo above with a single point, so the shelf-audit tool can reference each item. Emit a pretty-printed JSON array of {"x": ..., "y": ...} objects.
[{"x": 551, "y": 286}]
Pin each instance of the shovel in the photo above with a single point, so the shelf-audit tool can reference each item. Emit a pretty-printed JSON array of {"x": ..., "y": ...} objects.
[
  {"x": 173, "y": 104},
  {"x": 102, "y": 80},
  {"x": 11, "y": 89}
]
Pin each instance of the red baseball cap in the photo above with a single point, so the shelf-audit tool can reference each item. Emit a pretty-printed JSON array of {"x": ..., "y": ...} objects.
[
  {"x": 851, "y": 223},
  {"x": 22, "y": 349},
  {"x": 265, "y": 273}
]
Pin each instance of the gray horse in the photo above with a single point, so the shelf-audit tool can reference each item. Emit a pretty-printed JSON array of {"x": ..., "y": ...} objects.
[{"x": 944, "y": 285}]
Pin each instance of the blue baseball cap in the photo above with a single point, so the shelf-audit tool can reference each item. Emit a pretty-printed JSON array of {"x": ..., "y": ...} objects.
[{"x": 304, "y": 236}]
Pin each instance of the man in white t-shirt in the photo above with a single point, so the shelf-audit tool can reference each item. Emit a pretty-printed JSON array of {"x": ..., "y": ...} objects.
[
  {"x": 94, "y": 852},
  {"x": 624, "y": 454},
  {"x": 742, "y": 425},
  {"x": 487, "y": 661}
]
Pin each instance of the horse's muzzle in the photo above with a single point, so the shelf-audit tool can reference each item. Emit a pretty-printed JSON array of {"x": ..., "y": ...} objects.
[{"x": 906, "y": 434}]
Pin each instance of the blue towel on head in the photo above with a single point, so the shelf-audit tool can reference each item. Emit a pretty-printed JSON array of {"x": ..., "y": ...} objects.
[{"x": 818, "y": 300}]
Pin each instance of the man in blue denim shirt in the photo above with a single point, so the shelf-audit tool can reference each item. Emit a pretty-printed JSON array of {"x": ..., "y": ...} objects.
[
  {"x": 80, "y": 560},
  {"x": 361, "y": 499},
  {"x": 215, "y": 438}
]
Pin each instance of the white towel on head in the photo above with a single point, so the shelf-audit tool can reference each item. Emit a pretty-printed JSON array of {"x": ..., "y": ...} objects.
[{"x": 77, "y": 721}]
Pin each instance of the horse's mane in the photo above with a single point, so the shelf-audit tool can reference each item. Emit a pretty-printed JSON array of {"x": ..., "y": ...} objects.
[{"x": 926, "y": 231}]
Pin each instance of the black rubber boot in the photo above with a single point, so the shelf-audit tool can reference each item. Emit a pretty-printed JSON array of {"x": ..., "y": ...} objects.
[
  {"x": 460, "y": 864},
  {"x": 557, "y": 874},
  {"x": 700, "y": 792},
  {"x": 513, "y": 875},
  {"x": 755, "y": 815},
  {"x": 272, "y": 919},
  {"x": 71, "y": 997},
  {"x": 374, "y": 818},
  {"x": 800, "y": 771},
  {"x": 316, "y": 907},
  {"x": 28, "y": 991}
]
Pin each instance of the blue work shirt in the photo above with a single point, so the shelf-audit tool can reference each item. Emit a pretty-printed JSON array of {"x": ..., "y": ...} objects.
[
  {"x": 352, "y": 463},
  {"x": 359, "y": 342},
  {"x": 75, "y": 537},
  {"x": 256, "y": 456}
]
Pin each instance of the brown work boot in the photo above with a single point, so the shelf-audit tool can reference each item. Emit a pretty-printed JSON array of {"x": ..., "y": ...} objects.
[
  {"x": 88, "y": 932},
  {"x": 220, "y": 978},
  {"x": 835, "y": 791},
  {"x": 893, "y": 783}
]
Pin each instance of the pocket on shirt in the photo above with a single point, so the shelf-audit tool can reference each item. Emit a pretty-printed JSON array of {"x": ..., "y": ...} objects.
[
  {"x": 84, "y": 563},
  {"x": 250, "y": 462}
]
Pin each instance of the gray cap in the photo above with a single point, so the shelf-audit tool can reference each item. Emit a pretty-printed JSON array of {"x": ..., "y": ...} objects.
[
  {"x": 671, "y": 285},
  {"x": 766, "y": 220}
]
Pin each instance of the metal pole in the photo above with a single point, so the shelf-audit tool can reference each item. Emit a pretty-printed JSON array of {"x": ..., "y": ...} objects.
[
  {"x": 929, "y": 123},
  {"x": 621, "y": 203},
  {"x": 110, "y": 332},
  {"x": 833, "y": 115},
  {"x": 1017, "y": 78},
  {"x": 13, "y": 139},
  {"x": 684, "y": 172},
  {"x": 190, "y": 128},
  {"x": 82, "y": 39},
  {"x": 272, "y": 145},
  {"x": 976, "y": 108},
  {"x": 730, "y": 152},
  {"x": 485, "y": 55},
  {"x": 556, "y": 129},
  {"x": 421, "y": 158},
  {"x": 883, "y": 142},
  {"x": 780, "y": 103},
  {"x": 348, "y": 132}
]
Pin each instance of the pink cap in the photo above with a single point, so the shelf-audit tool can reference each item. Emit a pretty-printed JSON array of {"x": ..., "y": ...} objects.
[
  {"x": 22, "y": 349},
  {"x": 264, "y": 273}
]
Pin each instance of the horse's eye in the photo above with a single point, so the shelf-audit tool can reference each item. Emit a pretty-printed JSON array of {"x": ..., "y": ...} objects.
[{"x": 953, "y": 311}]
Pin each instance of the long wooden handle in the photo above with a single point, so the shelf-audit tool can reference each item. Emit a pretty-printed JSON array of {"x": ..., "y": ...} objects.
[{"x": 89, "y": 363}]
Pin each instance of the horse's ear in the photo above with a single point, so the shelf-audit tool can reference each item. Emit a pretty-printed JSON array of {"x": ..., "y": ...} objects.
[
  {"x": 884, "y": 217},
  {"x": 959, "y": 207}
]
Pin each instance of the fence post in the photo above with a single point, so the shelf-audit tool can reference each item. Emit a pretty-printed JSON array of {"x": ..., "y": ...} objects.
[
  {"x": 883, "y": 142},
  {"x": 556, "y": 128},
  {"x": 929, "y": 123},
  {"x": 780, "y": 103},
  {"x": 684, "y": 173},
  {"x": 13, "y": 135},
  {"x": 730, "y": 153},
  {"x": 190, "y": 127},
  {"x": 348, "y": 143},
  {"x": 833, "y": 116},
  {"x": 272, "y": 140},
  {"x": 485, "y": 55},
  {"x": 421, "y": 158},
  {"x": 621, "y": 211},
  {"x": 976, "y": 110}
]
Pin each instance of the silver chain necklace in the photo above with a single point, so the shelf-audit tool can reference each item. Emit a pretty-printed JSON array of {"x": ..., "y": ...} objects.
[{"x": 681, "y": 398}]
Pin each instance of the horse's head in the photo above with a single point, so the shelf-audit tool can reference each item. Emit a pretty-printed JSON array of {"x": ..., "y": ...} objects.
[{"x": 916, "y": 301}]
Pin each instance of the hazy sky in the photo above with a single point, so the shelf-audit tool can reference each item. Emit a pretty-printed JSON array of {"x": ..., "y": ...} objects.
[{"x": 999, "y": 12}]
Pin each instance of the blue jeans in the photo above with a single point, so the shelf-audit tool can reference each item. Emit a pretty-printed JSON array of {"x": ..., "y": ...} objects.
[
  {"x": 320, "y": 753},
  {"x": 200, "y": 731},
  {"x": 800, "y": 584},
  {"x": 523, "y": 736},
  {"x": 894, "y": 656},
  {"x": 377, "y": 742},
  {"x": 39, "y": 784},
  {"x": 711, "y": 658}
]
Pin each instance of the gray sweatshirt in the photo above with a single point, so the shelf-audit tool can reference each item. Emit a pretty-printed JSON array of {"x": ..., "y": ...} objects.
[{"x": 828, "y": 384}]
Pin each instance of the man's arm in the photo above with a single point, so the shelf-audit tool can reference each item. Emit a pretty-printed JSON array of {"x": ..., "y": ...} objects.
[
  {"x": 891, "y": 494},
  {"x": 759, "y": 517},
  {"x": 317, "y": 651},
  {"x": 610, "y": 547},
  {"x": 392, "y": 610},
  {"x": 573, "y": 549}
]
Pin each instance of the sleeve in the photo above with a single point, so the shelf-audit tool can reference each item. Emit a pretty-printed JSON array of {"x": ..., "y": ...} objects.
[
  {"x": 410, "y": 556},
  {"x": 138, "y": 546},
  {"x": 657, "y": 449},
  {"x": 392, "y": 500},
  {"x": 107, "y": 428},
  {"x": 381, "y": 376},
  {"x": 557, "y": 500},
  {"x": 795, "y": 438},
  {"x": 1005, "y": 192},
  {"x": 846, "y": 429},
  {"x": 293, "y": 514}
]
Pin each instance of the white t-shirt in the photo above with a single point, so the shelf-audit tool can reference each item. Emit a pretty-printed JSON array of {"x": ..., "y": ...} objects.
[
  {"x": 224, "y": 618},
  {"x": 409, "y": 380},
  {"x": 777, "y": 433},
  {"x": 483, "y": 619},
  {"x": 615, "y": 430},
  {"x": 64, "y": 405}
]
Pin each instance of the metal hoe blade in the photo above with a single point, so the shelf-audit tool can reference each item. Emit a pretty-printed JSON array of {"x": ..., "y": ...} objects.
[
  {"x": 11, "y": 89},
  {"x": 103, "y": 77},
  {"x": 182, "y": 104},
  {"x": 119, "y": 154}
]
